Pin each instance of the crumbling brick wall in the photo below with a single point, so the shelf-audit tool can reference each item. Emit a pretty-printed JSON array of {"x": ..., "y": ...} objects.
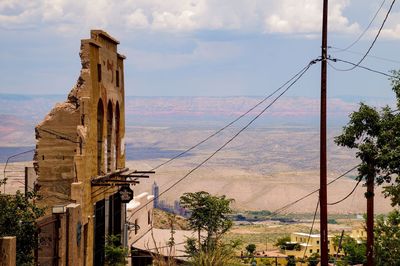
[{"x": 84, "y": 137}]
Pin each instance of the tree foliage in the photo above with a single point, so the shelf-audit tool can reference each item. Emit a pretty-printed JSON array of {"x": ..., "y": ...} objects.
[
  {"x": 208, "y": 213},
  {"x": 387, "y": 239},
  {"x": 354, "y": 252},
  {"x": 291, "y": 261},
  {"x": 314, "y": 259},
  {"x": 221, "y": 254},
  {"x": 375, "y": 134},
  {"x": 251, "y": 248},
  {"x": 18, "y": 215},
  {"x": 282, "y": 241},
  {"x": 115, "y": 253}
]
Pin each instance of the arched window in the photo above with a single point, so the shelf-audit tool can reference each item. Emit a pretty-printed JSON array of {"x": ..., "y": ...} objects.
[
  {"x": 117, "y": 136},
  {"x": 109, "y": 135},
  {"x": 100, "y": 123}
]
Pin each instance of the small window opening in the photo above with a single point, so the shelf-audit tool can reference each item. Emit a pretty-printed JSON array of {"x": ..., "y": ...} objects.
[
  {"x": 98, "y": 72},
  {"x": 136, "y": 226},
  {"x": 117, "y": 78}
]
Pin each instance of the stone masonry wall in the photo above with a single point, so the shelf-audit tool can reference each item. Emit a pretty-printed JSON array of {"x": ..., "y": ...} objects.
[{"x": 84, "y": 137}]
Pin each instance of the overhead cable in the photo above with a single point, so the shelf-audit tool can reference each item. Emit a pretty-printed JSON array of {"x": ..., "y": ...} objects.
[
  {"x": 365, "y": 30},
  {"x": 355, "y": 65},
  {"x": 348, "y": 195},
  {"x": 373, "y": 42},
  {"x": 58, "y": 135},
  {"x": 287, "y": 206},
  {"x": 232, "y": 122},
  {"x": 369, "y": 56},
  {"x": 298, "y": 76},
  {"x": 311, "y": 229}
]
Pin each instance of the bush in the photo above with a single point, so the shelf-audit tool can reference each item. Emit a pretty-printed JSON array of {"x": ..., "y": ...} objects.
[
  {"x": 18, "y": 215},
  {"x": 115, "y": 253},
  {"x": 221, "y": 254}
]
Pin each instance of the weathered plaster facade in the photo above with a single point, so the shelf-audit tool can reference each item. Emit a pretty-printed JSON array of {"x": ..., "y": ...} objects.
[{"x": 83, "y": 138}]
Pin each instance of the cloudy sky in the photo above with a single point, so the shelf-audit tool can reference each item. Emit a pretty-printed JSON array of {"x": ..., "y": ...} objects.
[{"x": 204, "y": 47}]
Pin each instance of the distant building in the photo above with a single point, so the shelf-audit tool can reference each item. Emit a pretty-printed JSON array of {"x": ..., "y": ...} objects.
[
  {"x": 359, "y": 234},
  {"x": 81, "y": 142},
  {"x": 299, "y": 242},
  {"x": 140, "y": 214},
  {"x": 156, "y": 193}
]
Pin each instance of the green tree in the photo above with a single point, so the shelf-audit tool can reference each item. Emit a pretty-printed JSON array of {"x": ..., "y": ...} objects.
[
  {"x": 375, "y": 135},
  {"x": 18, "y": 215},
  {"x": 251, "y": 248},
  {"x": 314, "y": 259},
  {"x": 282, "y": 242},
  {"x": 208, "y": 213},
  {"x": 387, "y": 239},
  {"x": 354, "y": 253},
  {"x": 115, "y": 253},
  {"x": 291, "y": 261}
]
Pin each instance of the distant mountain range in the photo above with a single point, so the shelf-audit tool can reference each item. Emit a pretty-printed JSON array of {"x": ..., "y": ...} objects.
[
  {"x": 274, "y": 162},
  {"x": 20, "y": 113}
]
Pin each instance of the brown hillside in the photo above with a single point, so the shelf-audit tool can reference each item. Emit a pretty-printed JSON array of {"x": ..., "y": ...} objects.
[{"x": 162, "y": 221}]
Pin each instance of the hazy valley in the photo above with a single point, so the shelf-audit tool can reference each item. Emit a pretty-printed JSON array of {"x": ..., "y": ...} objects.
[{"x": 274, "y": 162}]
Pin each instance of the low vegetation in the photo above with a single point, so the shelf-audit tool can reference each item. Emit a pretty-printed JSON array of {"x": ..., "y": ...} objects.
[
  {"x": 161, "y": 221},
  {"x": 115, "y": 253},
  {"x": 18, "y": 215},
  {"x": 209, "y": 214}
]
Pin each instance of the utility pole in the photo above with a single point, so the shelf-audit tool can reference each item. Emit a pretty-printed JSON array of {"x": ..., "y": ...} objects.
[
  {"x": 370, "y": 220},
  {"x": 323, "y": 159}
]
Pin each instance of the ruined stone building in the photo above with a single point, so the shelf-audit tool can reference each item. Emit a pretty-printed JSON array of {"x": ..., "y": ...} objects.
[{"x": 78, "y": 142}]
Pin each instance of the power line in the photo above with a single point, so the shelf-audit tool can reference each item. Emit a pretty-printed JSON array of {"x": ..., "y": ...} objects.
[
  {"x": 365, "y": 30},
  {"x": 15, "y": 155},
  {"x": 298, "y": 76},
  {"x": 357, "y": 65},
  {"x": 276, "y": 212},
  {"x": 348, "y": 195},
  {"x": 374, "y": 41},
  {"x": 59, "y": 135},
  {"x": 370, "y": 56},
  {"x": 6, "y": 164},
  {"x": 311, "y": 229},
  {"x": 231, "y": 123}
]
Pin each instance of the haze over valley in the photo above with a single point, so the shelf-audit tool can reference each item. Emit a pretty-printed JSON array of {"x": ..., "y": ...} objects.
[{"x": 269, "y": 165}]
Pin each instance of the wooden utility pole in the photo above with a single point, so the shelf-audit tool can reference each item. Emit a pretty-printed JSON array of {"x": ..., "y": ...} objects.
[
  {"x": 323, "y": 159},
  {"x": 370, "y": 220}
]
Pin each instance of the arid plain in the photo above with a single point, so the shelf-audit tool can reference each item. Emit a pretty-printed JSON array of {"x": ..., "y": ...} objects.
[{"x": 272, "y": 163}]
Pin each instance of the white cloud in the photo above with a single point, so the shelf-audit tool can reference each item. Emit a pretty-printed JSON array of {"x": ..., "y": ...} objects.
[
  {"x": 137, "y": 19},
  {"x": 203, "y": 52},
  {"x": 305, "y": 16},
  {"x": 264, "y": 16},
  {"x": 167, "y": 20},
  {"x": 391, "y": 29},
  {"x": 19, "y": 14}
]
